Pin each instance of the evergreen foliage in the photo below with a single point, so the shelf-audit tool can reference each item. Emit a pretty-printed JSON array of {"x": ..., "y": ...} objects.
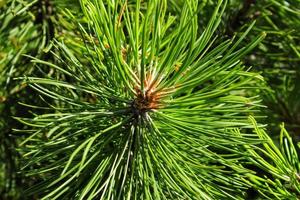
[
  {"x": 156, "y": 99},
  {"x": 278, "y": 58},
  {"x": 280, "y": 163}
]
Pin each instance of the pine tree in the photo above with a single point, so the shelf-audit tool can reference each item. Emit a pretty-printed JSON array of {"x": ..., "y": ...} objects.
[{"x": 158, "y": 99}]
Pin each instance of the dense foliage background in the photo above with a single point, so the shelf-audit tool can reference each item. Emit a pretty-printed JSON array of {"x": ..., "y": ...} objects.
[{"x": 158, "y": 99}]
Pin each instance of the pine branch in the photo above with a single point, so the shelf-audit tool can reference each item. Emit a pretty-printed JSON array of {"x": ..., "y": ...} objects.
[
  {"x": 279, "y": 162},
  {"x": 145, "y": 115}
]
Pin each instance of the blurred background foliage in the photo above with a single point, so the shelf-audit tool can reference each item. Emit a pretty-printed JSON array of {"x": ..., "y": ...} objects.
[{"x": 28, "y": 28}]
